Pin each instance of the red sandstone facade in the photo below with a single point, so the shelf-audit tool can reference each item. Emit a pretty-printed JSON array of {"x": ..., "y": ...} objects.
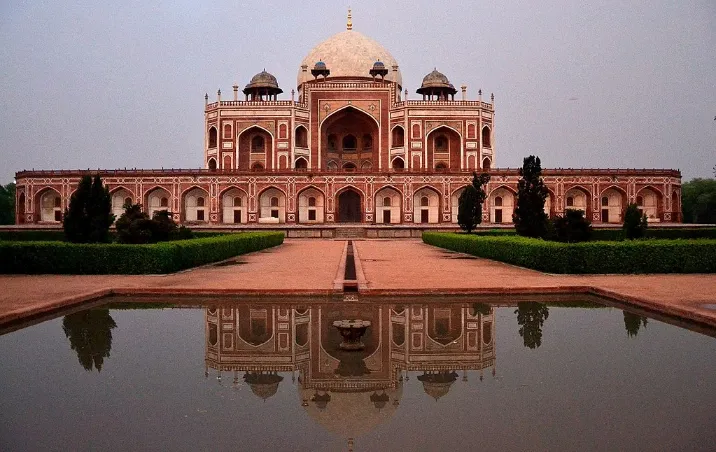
[{"x": 349, "y": 149}]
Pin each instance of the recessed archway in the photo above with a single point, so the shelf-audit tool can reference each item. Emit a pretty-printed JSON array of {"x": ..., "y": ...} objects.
[
  {"x": 612, "y": 202},
  {"x": 387, "y": 206},
  {"x": 348, "y": 135},
  {"x": 120, "y": 198},
  {"x": 157, "y": 199},
  {"x": 426, "y": 206},
  {"x": 234, "y": 206},
  {"x": 502, "y": 202},
  {"x": 196, "y": 205},
  {"x": 272, "y": 203},
  {"x": 310, "y": 206},
  {"x": 649, "y": 202},
  {"x": 349, "y": 206},
  {"x": 444, "y": 146},
  {"x": 49, "y": 202}
]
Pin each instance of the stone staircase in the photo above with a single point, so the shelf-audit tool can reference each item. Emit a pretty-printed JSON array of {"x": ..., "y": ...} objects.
[{"x": 350, "y": 233}]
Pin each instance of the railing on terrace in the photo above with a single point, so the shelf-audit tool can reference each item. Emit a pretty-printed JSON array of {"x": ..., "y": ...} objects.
[
  {"x": 443, "y": 103},
  {"x": 255, "y": 103},
  {"x": 203, "y": 171}
]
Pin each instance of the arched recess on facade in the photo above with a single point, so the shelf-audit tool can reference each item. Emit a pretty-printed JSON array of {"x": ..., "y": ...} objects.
[
  {"x": 612, "y": 202},
  {"x": 486, "y": 137},
  {"x": 444, "y": 146},
  {"x": 578, "y": 198},
  {"x": 156, "y": 199},
  {"x": 502, "y": 204},
  {"x": 21, "y": 208},
  {"x": 397, "y": 137},
  {"x": 650, "y": 201},
  {"x": 255, "y": 147},
  {"x": 350, "y": 205},
  {"x": 121, "y": 196},
  {"x": 486, "y": 164},
  {"x": 676, "y": 214},
  {"x": 311, "y": 204},
  {"x": 213, "y": 137},
  {"x": 301, "y": 164},
  {"x": 48, "y": 205},
  {"x": 444, "y": 325},
  {"x": 549, "y": 203},
  {"x": 195, "y": 204},
  {"x": 234, "y": 205},
  {"x": 426, "y": 205},
  {"x": 345, "y": 135},
  {"x": 211, "y": 165},
  {"x": 301, "y": 137},
  {"x": 255, "y": 325},
  {"x": 397, "y": 164},
  {"x": 388, "y": 205},
  {"x": 272, "y": 206},
  {"x": 455, "y": 202}
]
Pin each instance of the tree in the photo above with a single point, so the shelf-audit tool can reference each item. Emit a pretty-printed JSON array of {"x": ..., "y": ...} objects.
[
  {"x": 698, "y": 201},
  {"x": 529, "y": 216},
  {"x": 89, "y": 215},
  {"x": 531, "y": 316},
  {"x": 469, "y": 212},
  {"x": 572, "y": 227},
  {"x": 7, "y": 203},
  {"x": 635, "y": 223},
  {"x": 134, "y": 226},
  {"x": 633, "y": 322},
  {"x": 90, "y": 335}
]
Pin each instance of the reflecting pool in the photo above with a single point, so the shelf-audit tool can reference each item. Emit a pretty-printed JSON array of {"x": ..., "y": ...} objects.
[{"x": 429, "y": 375}]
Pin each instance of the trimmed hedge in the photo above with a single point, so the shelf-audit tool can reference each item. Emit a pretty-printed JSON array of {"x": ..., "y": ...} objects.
[
  {"x": 165, "y": 257},
  {"x": 18, "y": 235},
  {"x": 630, "y": 256}
]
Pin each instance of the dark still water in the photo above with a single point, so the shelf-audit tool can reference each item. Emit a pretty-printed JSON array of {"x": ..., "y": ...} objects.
[{"x": 426, "y": 376}]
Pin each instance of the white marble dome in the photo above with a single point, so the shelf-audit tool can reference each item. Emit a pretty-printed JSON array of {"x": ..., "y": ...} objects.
[{"x": 349, "y": 54}]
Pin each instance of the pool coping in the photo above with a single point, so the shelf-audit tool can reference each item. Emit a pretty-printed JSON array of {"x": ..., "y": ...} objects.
[{"x": 651, "y": 306}]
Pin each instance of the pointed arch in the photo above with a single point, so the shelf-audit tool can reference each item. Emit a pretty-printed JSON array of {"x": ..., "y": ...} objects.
[
  {"x": 350, "y": 202},
  {"x": 213, "y": 137},
  {"x": 244, "y": 147},
  {"x": 613, "y": 202},
  {"x": 397, "y": 136},
  {"x": 47, "y": 207},
  {"x": 157, "y": 198},
  {"x": 272, "y": 205},
  {"x": 388, "y": 205},
  {"x": 119, "y": 196},
  {"x": 454, "y": 148},
  {"x": 426, "y": 205},
  {"x": 653, "y": 202},
  {"x": 581, "y": 199},
  {"x": 501, "y": 202},
  {"x": 486, "y": 137},
  {"x": 195, "y": 204},
  {"x": 301, "y": 136},
  {"x": 233, "y": 204},
  {"x": 311, "y": 202}
]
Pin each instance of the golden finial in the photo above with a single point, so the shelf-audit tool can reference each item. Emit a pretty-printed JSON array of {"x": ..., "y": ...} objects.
[{"x": 349, "y": 24}]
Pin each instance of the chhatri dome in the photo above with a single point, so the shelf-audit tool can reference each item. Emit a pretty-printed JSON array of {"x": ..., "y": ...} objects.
[{"x": 349, "y": 54}]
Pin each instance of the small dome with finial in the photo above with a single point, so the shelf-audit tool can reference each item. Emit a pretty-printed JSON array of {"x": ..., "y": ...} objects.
[
  {"x": 436, "y": 83},
  {"x": 263, "y": 80}
]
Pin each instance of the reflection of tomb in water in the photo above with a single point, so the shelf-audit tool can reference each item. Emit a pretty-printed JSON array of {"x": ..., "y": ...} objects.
[{"x": 349, "y": 392}]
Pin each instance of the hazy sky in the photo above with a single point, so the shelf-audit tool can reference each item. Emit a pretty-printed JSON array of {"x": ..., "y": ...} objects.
[{"x": 581, "y": 84}]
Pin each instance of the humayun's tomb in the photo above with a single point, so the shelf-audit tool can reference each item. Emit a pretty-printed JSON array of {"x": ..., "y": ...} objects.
[{"x": 349, "y": 147}]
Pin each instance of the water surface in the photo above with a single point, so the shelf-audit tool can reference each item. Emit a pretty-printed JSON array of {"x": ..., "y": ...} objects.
[{"x": 432, "y": 376}]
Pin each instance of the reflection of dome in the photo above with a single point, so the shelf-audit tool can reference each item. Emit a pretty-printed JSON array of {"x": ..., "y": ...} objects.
[
  {"x": 263, "y": 385},
  {"x": 351, "y": 54},
  {"x": 351, "y": 414},
  {"x": 438, "y": 384},
  {"x": 435, "y": 81},
  {"x": 263, "y": 80}
]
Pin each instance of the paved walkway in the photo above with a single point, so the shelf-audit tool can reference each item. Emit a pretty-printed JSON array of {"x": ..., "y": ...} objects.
[{"x": 387, "y": 266}]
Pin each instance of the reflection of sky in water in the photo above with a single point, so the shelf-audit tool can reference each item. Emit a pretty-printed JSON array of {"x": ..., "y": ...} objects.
[
  {"x": 589, "y": 385},
  {"x": 710, "y": 306}
]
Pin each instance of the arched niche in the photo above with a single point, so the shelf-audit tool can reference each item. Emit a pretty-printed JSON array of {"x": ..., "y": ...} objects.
[
  {"x": 444, "y": 149},
  {"x": 196, "y": 205},
  {"x": 388, "y": 206},
  {"x": 349, "y": 135},
  {"x": 310, "y": 206},
  {"x": 272, "y": 206},
  {"x": 157, "y": 199},
  {"x": 426, "y": 206},
  {"x": 501, "y": 203},
  {"x": 234, "y": 206}
]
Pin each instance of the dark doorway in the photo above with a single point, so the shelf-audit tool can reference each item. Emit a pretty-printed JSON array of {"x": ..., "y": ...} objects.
[
  {"x": 605, "y": 215},
  {"x": 386, "y": 216},
  {"x": 498, "y": 215},
  {"x": 424, "y": 216},
  {"x": 237, "y": 216},
  {"x": 349, "y": 207}
]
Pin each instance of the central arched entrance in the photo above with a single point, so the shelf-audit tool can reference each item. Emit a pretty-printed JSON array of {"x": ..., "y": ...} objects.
[{"x": 349, "y": 207}]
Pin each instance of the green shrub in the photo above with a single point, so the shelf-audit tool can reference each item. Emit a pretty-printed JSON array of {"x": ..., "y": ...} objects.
[
  {"x": 633, "y": 256},
  {"x": 165, "y": 257},
  {"x": 573, "y": 227},
  {"x": 89, "y": 215},
  {"x": 19, "y": 235},
  {"x": 634, "y": 222}
]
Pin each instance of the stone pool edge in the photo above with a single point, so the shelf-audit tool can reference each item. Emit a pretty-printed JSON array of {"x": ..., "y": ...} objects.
[{"x": 676, "y": 311}]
